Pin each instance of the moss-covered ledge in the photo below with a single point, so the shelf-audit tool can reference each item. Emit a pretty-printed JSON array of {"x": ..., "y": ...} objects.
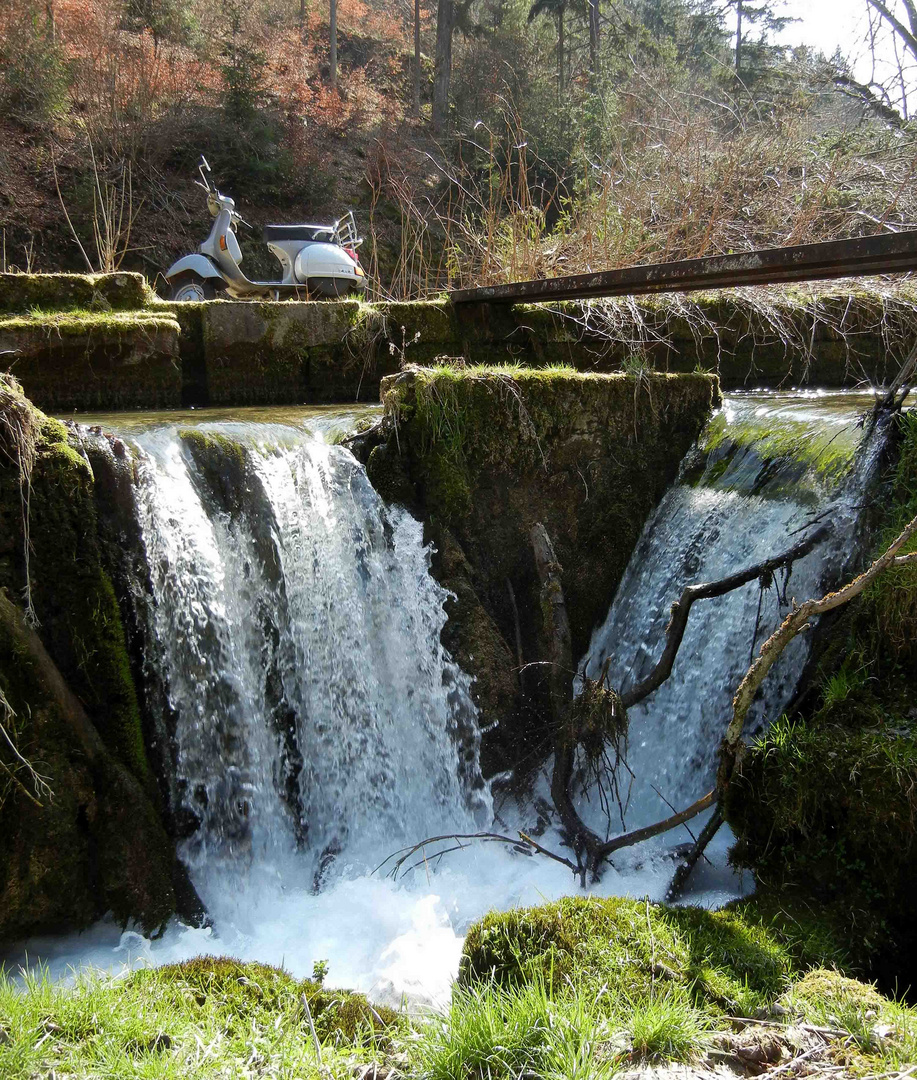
[
  {"x": 63, "y": 292},
  {"x": 825, "y": 802},
  {"x": 485, "y": 453},
  {"x": 90, "y": 359}
]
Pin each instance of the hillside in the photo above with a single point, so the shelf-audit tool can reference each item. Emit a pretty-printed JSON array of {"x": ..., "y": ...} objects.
[{"x": 559, "y": 153}]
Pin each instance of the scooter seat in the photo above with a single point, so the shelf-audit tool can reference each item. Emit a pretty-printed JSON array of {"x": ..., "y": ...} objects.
[{"x": 297, "y": 232}]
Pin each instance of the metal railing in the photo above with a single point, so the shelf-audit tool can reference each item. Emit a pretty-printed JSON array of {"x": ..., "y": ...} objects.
[{"x": 890, "y": 253}]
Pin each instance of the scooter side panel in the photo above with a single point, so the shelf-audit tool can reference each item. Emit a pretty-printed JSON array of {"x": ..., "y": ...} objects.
[{"x": 197, "y": 264}]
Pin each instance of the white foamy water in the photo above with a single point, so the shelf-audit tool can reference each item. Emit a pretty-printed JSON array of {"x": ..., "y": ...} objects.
[{"x": 318, "y": 725}]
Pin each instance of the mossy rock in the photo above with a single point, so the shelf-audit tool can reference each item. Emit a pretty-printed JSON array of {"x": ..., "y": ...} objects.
[
  {"x": 222, "y": 461},
  {"x": 631, "y": 948},
  {"x": 97, "y": 844},
  {"x": 70, "y": 589},
  {"x": 834, "y": 807},
  {"x": 827, "y": 802},
  {"x": 62, "y": 292},
  {"x": 249, "y": 992},
  {"x": 824, "y": 987}
]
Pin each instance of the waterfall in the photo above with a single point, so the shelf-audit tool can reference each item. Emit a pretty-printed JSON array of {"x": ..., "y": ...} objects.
[
  {"x": 768, "y": 469},
  {"x": 315, "y": 724},
  {"x": 295, "y": 628}
]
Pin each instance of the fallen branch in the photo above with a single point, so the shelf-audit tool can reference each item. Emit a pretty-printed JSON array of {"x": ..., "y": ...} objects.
[
  {"x": 681, "y": 609},
  {"x": 680, "y": 879},
  {"x": 795, "y": 623},
  {"x": 649, "y": 831}
]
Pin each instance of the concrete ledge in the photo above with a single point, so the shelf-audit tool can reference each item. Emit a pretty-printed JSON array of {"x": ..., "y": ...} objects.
[
  {"x": 57, "y": 292},
  {"x": 115, "y": 361},
  {"x": 246, "y": 353}
]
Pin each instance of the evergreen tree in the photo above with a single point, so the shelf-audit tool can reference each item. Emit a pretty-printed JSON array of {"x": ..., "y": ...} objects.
[{"x": 764, "y": 16}]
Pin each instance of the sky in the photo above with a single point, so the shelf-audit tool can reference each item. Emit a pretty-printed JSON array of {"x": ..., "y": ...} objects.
[{"x": 827, "y": 24}]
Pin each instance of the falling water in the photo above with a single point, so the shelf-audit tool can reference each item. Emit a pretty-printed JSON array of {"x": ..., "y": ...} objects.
[
  {"x": 296, "y": 629},
  {"x": 317, "y": 724},
  {"x": 770, "y": 468}
]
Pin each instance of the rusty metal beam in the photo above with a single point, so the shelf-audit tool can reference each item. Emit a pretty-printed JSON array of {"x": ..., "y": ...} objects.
[{"x": 890, "y": 253}]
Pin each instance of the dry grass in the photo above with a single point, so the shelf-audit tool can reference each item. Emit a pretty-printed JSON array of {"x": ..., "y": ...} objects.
[{"x": 680, "y": 178}]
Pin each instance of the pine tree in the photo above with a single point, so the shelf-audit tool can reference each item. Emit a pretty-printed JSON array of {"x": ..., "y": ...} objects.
[{"x": 765, "y": 16}]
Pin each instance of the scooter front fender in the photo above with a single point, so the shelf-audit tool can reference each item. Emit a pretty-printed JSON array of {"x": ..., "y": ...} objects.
[{"x": 197, "y": 264}]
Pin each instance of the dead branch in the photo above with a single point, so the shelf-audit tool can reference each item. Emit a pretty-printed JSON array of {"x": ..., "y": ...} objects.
[
  {"x": 680, "y": 879},
  {"x": 795, "y": 623},
  {"x": 517, "y": 843},
  {"x": 681, "y": 609},
  {"x": 649, "y": 831}
]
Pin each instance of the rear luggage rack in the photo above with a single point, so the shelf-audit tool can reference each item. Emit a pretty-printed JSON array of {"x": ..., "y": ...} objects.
[{"x": 345, "y": 232}]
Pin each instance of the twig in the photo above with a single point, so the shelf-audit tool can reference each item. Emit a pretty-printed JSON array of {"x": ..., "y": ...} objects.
[
  {"x": 680, "y": 879},
  {"x": 681, "y": 609}
]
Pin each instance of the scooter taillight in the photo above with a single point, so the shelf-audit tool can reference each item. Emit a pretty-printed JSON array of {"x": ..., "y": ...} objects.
[{"x": 352, "y": 253}]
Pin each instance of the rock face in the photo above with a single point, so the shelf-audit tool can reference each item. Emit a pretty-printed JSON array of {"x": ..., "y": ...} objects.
[
  {"x": 483, "y": 455},
  {"x": 70, "y": 703},
  {"x": 826, "y": 801}
]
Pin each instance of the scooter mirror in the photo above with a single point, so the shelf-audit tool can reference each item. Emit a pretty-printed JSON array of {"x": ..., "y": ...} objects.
[{"x": 204, "y": 163}]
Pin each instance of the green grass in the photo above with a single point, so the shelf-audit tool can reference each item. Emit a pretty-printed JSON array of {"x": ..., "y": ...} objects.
[
  {"x": 216, "y": 1018},
  {"x": 204, "y": 1018},
  {"x": 496, "y": 1032}
]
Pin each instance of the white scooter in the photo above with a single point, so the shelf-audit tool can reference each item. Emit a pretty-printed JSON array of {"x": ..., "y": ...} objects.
[{"x": 320, "y": 260}]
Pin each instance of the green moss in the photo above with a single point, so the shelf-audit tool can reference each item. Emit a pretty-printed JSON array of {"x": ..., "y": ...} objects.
[
  {"x": 472, "y": 419},
  {"x": 72, "y": 594},
  {"x": 812, "y": 932},
  {"x": 97, "y": 844},
  {"x": 63, "y": 292},
  {"x": 252, "y": 993},
  {"x": 222, "y": 462},
  {"x": 812, "y": 446},
  {"x": 631, "y": 949},
  {"x": 879, "y": 1035},
  {"x": 893, "y": 597},
  {"x": 78, "y": 323},
  {"x": 834, "y": 806}
]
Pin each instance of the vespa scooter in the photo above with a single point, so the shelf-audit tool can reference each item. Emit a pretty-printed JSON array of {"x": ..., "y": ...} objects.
[{"x": 319, "y": 260}]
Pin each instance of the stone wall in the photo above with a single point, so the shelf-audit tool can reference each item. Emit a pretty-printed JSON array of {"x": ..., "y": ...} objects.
[{"x": 101, "y": 342}]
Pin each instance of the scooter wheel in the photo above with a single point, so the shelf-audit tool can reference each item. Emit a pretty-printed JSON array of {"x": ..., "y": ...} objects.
[{"x": 194, "y": 288}]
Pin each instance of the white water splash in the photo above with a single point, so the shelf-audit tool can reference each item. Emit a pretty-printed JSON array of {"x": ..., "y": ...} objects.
[{"x": 320, "y": 726}]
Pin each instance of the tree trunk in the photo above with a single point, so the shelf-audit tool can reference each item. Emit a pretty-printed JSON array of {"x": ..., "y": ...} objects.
[
  {"x": 593, "y": 38},
  {"x": 560, "y": 52},
  {"x": 334, "y": 44},
  {"x": 442, "y": 68},
  {"x": 417, "y": 57},
  {"x": 738, "y": 36}
]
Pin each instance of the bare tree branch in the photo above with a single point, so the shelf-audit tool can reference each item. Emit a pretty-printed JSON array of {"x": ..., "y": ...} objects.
[
  {"x": 798, "y": 620},
  {"x": 681, "y": 609}
]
